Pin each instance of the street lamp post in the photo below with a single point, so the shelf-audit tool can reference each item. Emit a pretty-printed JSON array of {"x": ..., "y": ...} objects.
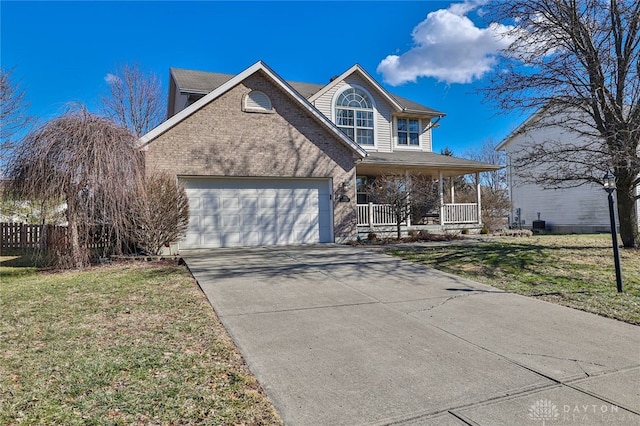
[{"x": 609, "y": 183}]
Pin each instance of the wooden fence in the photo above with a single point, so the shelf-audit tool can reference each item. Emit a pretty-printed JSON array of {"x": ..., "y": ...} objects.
[{"x": 25, "y": 236}]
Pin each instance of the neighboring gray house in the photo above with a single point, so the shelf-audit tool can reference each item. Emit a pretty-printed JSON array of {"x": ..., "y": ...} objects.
[
  {"x": 583, "y": 209},
  {"x": 266, "y": 161}
]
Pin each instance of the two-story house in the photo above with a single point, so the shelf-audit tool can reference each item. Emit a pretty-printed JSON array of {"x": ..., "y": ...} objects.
[
  {"x": 267, "y": 161},
  {"x": 571, "y": 209}
]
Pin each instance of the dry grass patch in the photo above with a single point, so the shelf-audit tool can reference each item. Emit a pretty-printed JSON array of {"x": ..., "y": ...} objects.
[
  {"x": 571, "y": 270},
  {"x": 121, "y": 344}
]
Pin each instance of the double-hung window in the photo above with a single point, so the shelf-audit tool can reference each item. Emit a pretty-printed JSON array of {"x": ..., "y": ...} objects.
[
  {"x": 354, "y": 115},
  {"x": 408, "y": 131}
]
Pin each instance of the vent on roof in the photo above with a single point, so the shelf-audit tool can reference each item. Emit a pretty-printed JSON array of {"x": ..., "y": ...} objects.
[{"x": 256, "y": 101}]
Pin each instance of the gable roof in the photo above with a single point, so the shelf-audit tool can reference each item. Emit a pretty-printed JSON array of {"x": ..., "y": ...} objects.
[
  {"x": 202, "y": 82},
  {"x": 353, "y": 70},
  {"x": 398, "y": 103},
  {"x": 225, "y": 84},
  {"x": 522, "y": 127}
]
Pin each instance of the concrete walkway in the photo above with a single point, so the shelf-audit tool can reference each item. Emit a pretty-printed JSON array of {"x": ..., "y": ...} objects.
[{"x": 348, "y": 336}]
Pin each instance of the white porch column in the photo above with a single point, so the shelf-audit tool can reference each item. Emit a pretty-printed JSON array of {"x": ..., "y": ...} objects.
[
  {"x": 479, "y": 198},
  {"x": 370, "y": 211},
  {"x": 408, "y": 178},
  {"x": 452, "y": 190},
  {"x": 441, "y": 195}
]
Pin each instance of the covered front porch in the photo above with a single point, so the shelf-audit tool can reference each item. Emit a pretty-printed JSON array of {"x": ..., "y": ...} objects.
[{"x": 452, "y": 211}]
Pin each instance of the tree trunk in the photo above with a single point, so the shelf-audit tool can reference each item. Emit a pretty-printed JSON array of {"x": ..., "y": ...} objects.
[
  {"x": 78, "y": 257},
  {"x": 627, "y": 214}
]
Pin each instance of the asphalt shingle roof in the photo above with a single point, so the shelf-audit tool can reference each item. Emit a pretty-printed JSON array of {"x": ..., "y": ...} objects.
[
  {"x": 422, "y": 158},
  {"x": 203, "y": 82}
]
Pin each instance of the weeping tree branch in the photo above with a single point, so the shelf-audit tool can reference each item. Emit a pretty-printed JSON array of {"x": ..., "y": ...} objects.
[{"x": 89, "y": 162}]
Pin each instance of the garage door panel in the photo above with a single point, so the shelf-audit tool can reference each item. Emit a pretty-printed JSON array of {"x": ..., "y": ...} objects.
[
  {"x": 230, "y": 203},
  {"x": 229, "y": 221},
  {"x": 252, "y": 239},
  {"x": 267, "y": 222},
  {"x": 250, "y": 203},
  {"x": 267, "y": 202},
  {"x": 192, "y": 239},
  {"x": 268, "y": 238},
  {"x": 249, "y": 212},
  {"x": 209, "y": 222},
  {"x": 250, "y": 220},
  {"x": 207, "y": 203},
  {"x": 285, "y": 204},
  {"x": 195, "y": 203},
  {"x": 302, "y": 202}
]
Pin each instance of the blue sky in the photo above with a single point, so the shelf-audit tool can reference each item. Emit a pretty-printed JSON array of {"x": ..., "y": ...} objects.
[{"x": 433, "y": 52}]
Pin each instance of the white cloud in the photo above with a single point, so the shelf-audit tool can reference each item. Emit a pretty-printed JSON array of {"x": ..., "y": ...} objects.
[
  {"x": 111, "y": 78},
  {"x": 448, "y": 46}
]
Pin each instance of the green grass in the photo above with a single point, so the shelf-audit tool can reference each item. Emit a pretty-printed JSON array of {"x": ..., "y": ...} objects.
[
  {"x": 572, "y": 270},
  {"x": 121, "y": 344}
]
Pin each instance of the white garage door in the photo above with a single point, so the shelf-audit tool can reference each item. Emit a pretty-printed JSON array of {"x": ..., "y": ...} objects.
[{"x": 255, "y": 212}]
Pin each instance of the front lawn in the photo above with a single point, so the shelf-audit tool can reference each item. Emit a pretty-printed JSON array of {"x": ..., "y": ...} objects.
[
  {"x": 120, "y": 344},
  {"x": 571, "y": 270}
]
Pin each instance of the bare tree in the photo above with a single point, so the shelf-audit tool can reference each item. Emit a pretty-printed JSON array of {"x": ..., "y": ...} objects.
[
  {"x": 92, "y": 164},
  {"x": 14, "y": 118},
  {"x": 465, "y": 189},
  {"x": 487, "y": 153},
  {"x": 404, "y": 194},
  {"x": 160, "y": 213},
  {"x": 580, "y": 61},
  {"x": 135, "y": 99},
  {"x": 493, "y": 185}
]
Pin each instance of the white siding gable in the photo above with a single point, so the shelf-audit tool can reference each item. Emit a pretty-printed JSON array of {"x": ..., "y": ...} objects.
[
  {"x": 580, "y": 209},
  {"x": 382, "y": 119},
  {"x": 385, "y": 130}
]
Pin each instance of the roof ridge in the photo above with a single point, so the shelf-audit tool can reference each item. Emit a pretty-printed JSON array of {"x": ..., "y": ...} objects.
[{"x": 311, "y": 88}]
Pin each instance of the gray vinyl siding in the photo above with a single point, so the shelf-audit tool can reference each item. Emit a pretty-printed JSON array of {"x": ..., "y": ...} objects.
[{"x": 383, "y": 130}]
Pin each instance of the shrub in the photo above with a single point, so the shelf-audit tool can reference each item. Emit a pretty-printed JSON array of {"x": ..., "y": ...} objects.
[
  {"x": 160, "y": 213},
  {"x": 423, "y": 234},
  {"x": 372, "y": 236}
]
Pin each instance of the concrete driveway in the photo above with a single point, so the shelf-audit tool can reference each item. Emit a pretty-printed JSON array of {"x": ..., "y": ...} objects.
[{"x": 348, "y": 336}]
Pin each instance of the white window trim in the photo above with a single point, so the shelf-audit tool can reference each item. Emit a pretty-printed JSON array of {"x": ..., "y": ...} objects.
[
  {"x": 337, "y": 93},
  {"x": 261, "y": 110},
  {"x": 396, "y": 139}
]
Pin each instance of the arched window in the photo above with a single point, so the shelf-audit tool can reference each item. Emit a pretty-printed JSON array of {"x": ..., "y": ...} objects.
[
  {"x": 256, "y": 101},
  {"x": 354, "y": 115}
]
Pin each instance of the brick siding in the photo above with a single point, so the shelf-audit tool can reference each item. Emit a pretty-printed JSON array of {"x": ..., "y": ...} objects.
[{"x": 222, "y": 140}]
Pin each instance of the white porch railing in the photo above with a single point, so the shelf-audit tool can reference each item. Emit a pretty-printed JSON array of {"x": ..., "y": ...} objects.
[
  {"x": 460, "y": 213},
  {"x": 376, "y": 214},
  {"x": 382, "y": 214}
]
